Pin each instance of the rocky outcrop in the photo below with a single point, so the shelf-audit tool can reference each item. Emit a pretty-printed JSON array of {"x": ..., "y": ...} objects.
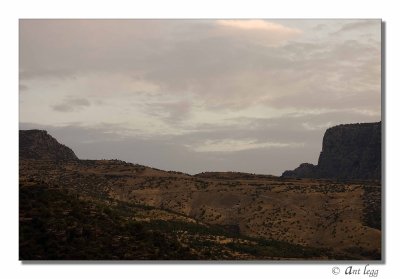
[
  {"x": 39, "y": 145},
  {"x": 351, "y": 151},
  {"x": 304, "y": 170}
]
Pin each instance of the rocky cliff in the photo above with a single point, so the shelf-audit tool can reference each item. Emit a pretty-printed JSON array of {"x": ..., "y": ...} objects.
[
  {"x": 351, "y": 151},
  {"x": 39, "y": 145}
]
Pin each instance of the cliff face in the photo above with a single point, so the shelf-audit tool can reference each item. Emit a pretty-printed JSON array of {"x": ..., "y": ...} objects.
[
  {"x": 39, "y": 145},
  {"x": 351, "y": 151}
]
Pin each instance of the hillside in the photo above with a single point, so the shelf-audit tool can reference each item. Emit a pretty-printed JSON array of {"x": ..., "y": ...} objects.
[
  {"x": 56, "y": 224},
  {"x": 38, "y": 144},
  {"x": 110, "y": 209}
]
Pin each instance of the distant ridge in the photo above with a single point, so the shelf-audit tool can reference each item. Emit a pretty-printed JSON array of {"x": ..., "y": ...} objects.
[
  {"x": 39, "y": 145},
  {"x": 349, "y": 151},
  {"x": 232, "y": 175}
]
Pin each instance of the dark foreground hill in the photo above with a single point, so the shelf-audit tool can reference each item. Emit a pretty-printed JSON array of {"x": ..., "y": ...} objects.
[
  {"x": 59, "y": 224},
  {"x": 351, "y": 151},
  {"x": 38, "y": 144}
]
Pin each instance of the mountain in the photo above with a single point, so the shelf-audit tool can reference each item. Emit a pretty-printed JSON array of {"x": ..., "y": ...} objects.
[
  {"x": 38, "y": 144},
  {"x": 350, "y": 151}
]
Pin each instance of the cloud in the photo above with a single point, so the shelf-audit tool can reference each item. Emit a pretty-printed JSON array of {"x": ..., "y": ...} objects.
[
  {"x": 320, "y": 27},
  {"x": 169, "y": 111},
  {"x": 357, "y": 25},
  {"x": 312, "y": 127},
  {"x": 234, "y": 145},
  {"x": 252, "y": 24},
  {"x": 71, "y": 104},
  {"x": 258, "y": 32},
  {"x": 223, "y": 65}
]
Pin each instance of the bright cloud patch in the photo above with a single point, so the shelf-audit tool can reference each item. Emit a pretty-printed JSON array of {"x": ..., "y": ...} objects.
[
  {"x": 258, "y": 32},
  {"x": 258, "y": 25},
  {"x": 232, "y": 145}
]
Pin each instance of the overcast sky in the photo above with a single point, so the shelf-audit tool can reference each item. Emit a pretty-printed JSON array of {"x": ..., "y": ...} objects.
[{"x": 199, "y": 95}]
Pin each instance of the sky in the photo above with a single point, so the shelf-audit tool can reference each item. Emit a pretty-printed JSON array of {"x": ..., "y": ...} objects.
[{"x": 198, "y": 95}]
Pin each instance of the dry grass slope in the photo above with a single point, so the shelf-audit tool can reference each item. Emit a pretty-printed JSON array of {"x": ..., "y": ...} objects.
[{"x": 231, "y": 214}]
